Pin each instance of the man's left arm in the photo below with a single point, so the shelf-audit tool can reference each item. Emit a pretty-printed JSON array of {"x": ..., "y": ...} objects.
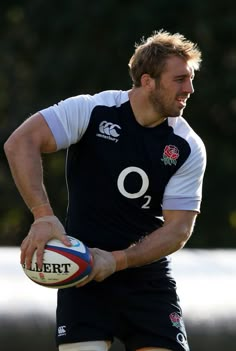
[{"x": 174, "y": 234}]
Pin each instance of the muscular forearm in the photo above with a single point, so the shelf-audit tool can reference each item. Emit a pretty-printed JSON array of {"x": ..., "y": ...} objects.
[
  {"x": 158, "y": 244},
  {"x": 23, "y": 150},
  {"x": 162, "y": 242},
  {"x": 26, "y": 167}
]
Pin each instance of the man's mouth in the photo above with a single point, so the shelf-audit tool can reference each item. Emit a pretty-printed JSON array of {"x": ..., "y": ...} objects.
[{"x": 182, "y": 100}]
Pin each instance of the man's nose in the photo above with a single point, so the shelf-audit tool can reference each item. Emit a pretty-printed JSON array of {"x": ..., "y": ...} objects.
[{"x": 189, "y": 87}]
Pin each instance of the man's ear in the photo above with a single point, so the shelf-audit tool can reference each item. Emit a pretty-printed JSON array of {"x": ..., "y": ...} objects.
[{"x": 147, "y": 82}]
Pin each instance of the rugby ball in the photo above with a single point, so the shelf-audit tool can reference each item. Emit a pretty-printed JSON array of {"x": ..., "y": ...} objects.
[{"x": 63, "y": 266}]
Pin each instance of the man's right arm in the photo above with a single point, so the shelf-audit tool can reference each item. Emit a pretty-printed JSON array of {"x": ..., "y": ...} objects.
[{"x": 23, "y": 150}]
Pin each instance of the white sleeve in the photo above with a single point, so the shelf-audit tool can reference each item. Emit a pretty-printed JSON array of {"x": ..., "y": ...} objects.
[
  {"x": 184, "y": 189},
  {"x": 69, "y": 119}
]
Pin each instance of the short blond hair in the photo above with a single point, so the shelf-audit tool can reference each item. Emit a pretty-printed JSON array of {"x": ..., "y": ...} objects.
[{"x": 151, "y": 54}]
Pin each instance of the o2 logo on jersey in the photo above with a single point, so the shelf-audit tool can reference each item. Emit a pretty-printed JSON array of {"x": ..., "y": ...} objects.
[{"x": 142, "y": 190}]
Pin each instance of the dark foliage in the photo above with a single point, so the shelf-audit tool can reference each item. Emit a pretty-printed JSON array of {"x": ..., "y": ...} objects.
[{"x": 54, "y": 49}]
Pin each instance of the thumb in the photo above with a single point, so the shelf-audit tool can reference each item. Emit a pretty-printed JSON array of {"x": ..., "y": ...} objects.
[{"x": 65, "y": 240}]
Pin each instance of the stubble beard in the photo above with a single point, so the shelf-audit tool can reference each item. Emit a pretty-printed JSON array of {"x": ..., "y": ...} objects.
[{"x": 157, "y": 100}]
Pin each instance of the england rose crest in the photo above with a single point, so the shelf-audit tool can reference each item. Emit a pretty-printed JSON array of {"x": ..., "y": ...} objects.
[
  {"x": 170, "y": 155},
  {"x": 176, "y": 320}
]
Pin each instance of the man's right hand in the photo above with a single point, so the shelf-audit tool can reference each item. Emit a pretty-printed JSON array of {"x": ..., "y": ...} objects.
[{"x": 42, "y": 230}]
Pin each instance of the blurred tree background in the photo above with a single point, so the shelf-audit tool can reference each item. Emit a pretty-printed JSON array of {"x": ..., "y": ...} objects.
[{"x": 51, "y": 50}]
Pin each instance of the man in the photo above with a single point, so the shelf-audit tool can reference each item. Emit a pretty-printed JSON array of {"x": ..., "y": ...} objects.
[{"x": 134, "y": 175}]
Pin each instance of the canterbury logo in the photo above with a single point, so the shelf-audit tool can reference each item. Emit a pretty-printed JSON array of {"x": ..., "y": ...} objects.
[
  {"x": 109, "y": 131},
  {"x": 61, "y": 330}
]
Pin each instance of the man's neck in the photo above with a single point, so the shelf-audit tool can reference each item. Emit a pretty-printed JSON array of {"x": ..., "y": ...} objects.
[{"x": 143, "y": 111}]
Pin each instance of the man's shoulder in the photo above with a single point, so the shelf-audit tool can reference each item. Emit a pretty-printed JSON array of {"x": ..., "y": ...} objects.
[
  {"x": 182, "y": 128},
  {"x": 104, "y": 98},
  {"x": 111, "y": 97}
]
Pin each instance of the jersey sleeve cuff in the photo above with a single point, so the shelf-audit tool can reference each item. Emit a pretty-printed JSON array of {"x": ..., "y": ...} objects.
[
  {"x": 184, "y": 203},
  {"x": 56, "y": 127}
]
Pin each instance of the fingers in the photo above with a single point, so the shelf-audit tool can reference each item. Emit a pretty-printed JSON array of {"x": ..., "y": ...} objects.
[
  {"x": 92, "y": 274},
  {"x": 104, "y": 265},
  {"x": 41, "y": 231},
  {"x": 39, "y": 255},
  {"x": 27, "y": 250},
  {"x": 36, "y": 240}
]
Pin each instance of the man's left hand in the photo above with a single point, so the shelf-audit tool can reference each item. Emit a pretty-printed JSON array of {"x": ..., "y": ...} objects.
[{"x": 104, "y": 265}]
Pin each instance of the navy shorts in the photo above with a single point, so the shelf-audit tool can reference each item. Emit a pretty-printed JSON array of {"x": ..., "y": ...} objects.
[{"x": 139, "y": 312}]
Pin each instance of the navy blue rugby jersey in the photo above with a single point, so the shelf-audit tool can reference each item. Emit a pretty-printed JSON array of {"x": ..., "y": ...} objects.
[{"x": 120, "y": 175}]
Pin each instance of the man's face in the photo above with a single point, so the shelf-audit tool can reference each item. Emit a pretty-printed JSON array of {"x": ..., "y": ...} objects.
[{"x": 169, "y": 97}]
